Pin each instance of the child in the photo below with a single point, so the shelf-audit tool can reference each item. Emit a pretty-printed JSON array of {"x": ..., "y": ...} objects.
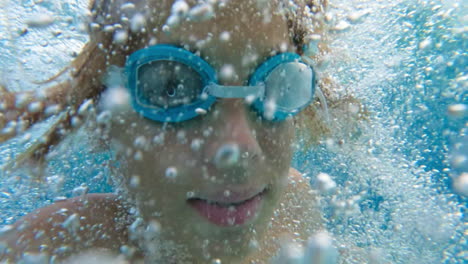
[{"x": 199, "y": 101}]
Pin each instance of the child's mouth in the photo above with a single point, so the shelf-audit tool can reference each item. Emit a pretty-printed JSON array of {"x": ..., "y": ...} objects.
[{"x": 228, "y": 214}]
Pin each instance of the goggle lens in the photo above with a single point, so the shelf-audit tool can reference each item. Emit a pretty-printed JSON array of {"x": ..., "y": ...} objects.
[
  {"x": 165, "y": 84},
  {"x": 289, "y": 86}
]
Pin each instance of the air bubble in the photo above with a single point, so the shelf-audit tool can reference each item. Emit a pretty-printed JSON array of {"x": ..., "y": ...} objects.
[
  {"x": 190, "y": 194},
  {"x": 108, "y": 28},
  {"x": 104, "y": 118},
  {"x": 135, "y": 181},
  {"x": 341, "y": 26},
  {"x": 459, "y": 161},
  {"x": 9, "y": 129},
  {"x": 231, "y": 221},
  {"x": 6, "y": 195},
  {"x": 457, "y": 110},
  {"x": 35, "y": 107},
  {"x": 227, "y": 72},
  {"x": 72, "y": 223},
  {"x": 283, "y": 47},
  {"x": 207, "y": 132},
  {"x": 153, "y": 41},
  {"x": 171, "y": 173},
  {"x": 39, "y": 234},
  {"x": 290, "y": 253},
  {"x": 115, "y": 99},
  {"x": 357, "y": 16},
  {"x": 76, "y": 121},
  {"x": 138, "y": 156},
  {"x": 152, "y": 231},
  {"x": 173, "y": 21},
  {"x": 270, "y": 109},
  {"x": 120, "y": 37},
  {"x": 166, "y": 28},
  {"x": 5, "y": 230},
  {"x": 200, "y": 111},
  {"x": 127, "y": 251},
  {"x": 320, "y": 249},
  {"x": 201, "y": 12},
  {"x": 425, "y": 43},
  {"x": 59, "y": 199},
  {"x": 135, "y": 229},
  {"x": 225, "y": 36},
  {"x": 253, "y": 244},
  {"x": 159, "y": 139},
  {"x": 22, "y": 100},
  {"x": 34, "y": 258},
  {"x": 140, "y": 142},
  {"x": 180, "y": 8},
  {"x": 460, "y": 184},
  {"x": 227, "y": 155},
  {"x": 85, "y": 107},
  {"x": 137, "y": 23},
  {"x": 353, "y": 108},
  {"x": 55, "y": 182},
  {"x": 249, "y": 99},
  {"x": 40, "y": 20},
  {"x": 196, "y": 144},
  {"x": 204, "y": 96},
  {"x": 181, "y": 137},
  {"x": 63, "y": 250},
  {"x": 127, "y": 7},
  {"x": 80, "y": 190},
  {"x": 325, "y": 183}
]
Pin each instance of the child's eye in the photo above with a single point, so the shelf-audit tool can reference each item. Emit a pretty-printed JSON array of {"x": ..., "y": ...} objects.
[
  {"x": 168, "y": 84},
  {"x": 171, "y": 91}
]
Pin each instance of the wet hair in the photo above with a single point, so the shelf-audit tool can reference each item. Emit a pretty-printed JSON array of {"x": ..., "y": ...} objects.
[{"x": 83, "y": 86}]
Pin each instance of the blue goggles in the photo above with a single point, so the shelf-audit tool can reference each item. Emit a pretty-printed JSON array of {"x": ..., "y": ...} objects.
[{"x": 171, "y": 84}]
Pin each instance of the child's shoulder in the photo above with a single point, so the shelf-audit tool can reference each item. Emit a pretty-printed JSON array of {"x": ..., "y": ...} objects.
[
  {"x": 67, "y": 227},
  {"x": 299, "y": 207}
]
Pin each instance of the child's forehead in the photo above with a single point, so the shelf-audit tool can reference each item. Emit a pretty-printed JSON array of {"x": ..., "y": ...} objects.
[
  {"x": 241, "y": 31},
  {"x": 230, "y": 35}
]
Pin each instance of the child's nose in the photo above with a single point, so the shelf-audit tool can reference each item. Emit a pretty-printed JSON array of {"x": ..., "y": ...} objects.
[{"x": 234, "y": 137}]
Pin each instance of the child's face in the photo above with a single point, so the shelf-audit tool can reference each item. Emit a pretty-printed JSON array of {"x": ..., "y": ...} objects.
[{"x": 178, "y": 172}]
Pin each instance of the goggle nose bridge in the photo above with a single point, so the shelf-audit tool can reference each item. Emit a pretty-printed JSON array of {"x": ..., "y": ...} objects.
[{"x": 229, "y": 91}]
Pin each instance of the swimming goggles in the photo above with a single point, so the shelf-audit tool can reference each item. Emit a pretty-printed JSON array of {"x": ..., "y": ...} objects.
[{"x": 171, "y": 84}]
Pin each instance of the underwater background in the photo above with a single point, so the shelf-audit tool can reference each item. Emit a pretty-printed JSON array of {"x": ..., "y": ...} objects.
[{"x": 398, "y": 189}]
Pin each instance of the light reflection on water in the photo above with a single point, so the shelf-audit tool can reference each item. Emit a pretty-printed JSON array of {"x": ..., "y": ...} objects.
[{"x": 405, "y": 60}]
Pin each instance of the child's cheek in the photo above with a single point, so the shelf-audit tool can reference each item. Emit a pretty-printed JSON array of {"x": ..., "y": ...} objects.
[{"x": 276, "y": 139}]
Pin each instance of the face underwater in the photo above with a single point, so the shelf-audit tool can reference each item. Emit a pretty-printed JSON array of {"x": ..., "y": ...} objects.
[{"x": 206, "y": 147}]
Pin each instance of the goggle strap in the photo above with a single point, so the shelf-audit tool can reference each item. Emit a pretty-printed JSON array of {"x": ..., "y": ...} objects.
[
  {"x": 307, "y": 60},
  {"x": 323, "y": 102},
  {"x": 318, "y": 91},
  {"x": 226, "y": 91}
]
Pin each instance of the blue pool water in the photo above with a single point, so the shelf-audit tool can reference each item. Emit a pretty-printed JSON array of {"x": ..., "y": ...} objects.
[{"x": 396, "y": 178}]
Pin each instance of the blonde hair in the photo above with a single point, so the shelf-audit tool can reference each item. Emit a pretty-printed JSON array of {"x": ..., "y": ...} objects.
[{"x": 305, "y": 20}]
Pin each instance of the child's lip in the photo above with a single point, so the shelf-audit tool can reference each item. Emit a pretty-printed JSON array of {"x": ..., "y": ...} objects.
[
  {"x": 232, "y": 212},
  {"x": 228, "y": 196}
]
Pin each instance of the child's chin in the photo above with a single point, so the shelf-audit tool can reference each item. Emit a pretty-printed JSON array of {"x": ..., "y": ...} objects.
[{"x": 230, "y": 252}]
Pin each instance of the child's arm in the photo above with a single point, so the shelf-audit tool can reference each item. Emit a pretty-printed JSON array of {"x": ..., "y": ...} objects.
[{"x": 73, "y": 226}]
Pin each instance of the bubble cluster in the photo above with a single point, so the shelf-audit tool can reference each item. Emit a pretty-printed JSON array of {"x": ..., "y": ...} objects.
[{"x": 461, "y": 184}]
